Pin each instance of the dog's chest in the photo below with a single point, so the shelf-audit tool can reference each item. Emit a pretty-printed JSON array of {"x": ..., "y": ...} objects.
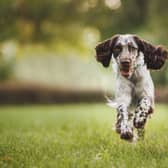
[{"x": 137, "y": 85}]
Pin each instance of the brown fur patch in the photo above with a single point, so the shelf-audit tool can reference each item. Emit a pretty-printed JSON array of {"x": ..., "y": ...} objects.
[
  {"x": 154, "y": 56},
  {"x": 104, "y": 50}
]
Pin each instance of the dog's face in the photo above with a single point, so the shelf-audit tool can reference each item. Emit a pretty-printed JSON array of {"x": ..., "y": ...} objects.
[{"x": 125, "y": 50}]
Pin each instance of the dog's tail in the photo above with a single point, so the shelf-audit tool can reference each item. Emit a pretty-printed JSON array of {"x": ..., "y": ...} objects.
[{"x": 110, "y": 102}]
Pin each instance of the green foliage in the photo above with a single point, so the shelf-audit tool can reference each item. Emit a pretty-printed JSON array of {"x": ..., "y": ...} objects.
[
  {"x": 6, "y": 69},
  {"x": 131, "y": 16},
  {"x": 77, "y": 136},
  {"x": 161, "y": 77},
  {"x": 63, "y": 22}
]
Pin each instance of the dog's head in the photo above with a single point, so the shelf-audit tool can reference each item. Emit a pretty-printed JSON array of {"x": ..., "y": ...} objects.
[{"x": 125, "y": 49}]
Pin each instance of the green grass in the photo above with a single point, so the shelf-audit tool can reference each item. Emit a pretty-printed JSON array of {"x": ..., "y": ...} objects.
[{"x": 77, "y": 136}]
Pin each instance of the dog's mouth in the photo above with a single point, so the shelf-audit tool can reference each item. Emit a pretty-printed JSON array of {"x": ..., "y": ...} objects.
[
  {"x": 125, "y": 69},
  {"x": 125, "y": 73}
]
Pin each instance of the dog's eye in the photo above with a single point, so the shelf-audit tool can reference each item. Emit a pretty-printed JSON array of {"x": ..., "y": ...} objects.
[
  {"x": 131, "y": 48},
  {"x": 117, "y": 50}
]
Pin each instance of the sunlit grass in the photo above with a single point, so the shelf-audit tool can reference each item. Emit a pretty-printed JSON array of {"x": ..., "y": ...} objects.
[{"x": 77, "y": 136}]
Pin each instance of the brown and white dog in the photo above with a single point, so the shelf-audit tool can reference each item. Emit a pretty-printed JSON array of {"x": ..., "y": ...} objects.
[{"x": 132, "y": 58}]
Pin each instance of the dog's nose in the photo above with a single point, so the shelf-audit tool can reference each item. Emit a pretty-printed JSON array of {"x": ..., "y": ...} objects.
[{"x": 126, "y": 62}]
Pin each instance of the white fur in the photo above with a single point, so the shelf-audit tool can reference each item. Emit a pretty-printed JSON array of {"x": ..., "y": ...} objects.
[
  {"x": 124, "y": 87},
  {"x": 137, "y": 87}
]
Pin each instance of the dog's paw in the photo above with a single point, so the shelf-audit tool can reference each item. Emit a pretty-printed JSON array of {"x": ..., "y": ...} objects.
[
  {"x": 126, "y": 131},
  {"x": 128, "y": 135}
]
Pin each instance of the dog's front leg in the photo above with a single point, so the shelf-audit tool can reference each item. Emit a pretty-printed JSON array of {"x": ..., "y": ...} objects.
[
  {"x": 124, "y": 126},
  {"x": 123, "y": 98},
  {"x": 144, "y": 108}
]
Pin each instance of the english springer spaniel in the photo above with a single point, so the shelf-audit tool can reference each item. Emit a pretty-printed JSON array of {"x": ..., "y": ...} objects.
[{"x": 132, "y": 58}]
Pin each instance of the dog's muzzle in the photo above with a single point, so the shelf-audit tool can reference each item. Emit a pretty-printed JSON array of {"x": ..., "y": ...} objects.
[{"x": 125, "y": 68}]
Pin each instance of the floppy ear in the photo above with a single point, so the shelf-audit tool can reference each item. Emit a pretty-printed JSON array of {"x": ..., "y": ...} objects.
[
  {"x": 154, "y": 56},
  {"x": 104, "y": 50}
]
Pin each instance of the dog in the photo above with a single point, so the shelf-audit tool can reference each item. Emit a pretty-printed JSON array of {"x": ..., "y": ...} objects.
[{"x": 132, "y": 59}]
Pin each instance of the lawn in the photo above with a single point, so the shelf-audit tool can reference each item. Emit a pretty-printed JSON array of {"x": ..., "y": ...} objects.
[{"x": 77, "y": 136}]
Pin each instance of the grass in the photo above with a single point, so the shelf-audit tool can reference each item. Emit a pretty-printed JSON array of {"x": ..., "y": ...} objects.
[{"x": 77, "y": 136}]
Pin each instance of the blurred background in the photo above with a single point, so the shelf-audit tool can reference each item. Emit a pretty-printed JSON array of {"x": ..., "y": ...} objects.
[{"x": 47, "y": 47}]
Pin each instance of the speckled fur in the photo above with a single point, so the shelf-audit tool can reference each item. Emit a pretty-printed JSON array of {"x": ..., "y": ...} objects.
[{"x": 133, "y": 82}]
